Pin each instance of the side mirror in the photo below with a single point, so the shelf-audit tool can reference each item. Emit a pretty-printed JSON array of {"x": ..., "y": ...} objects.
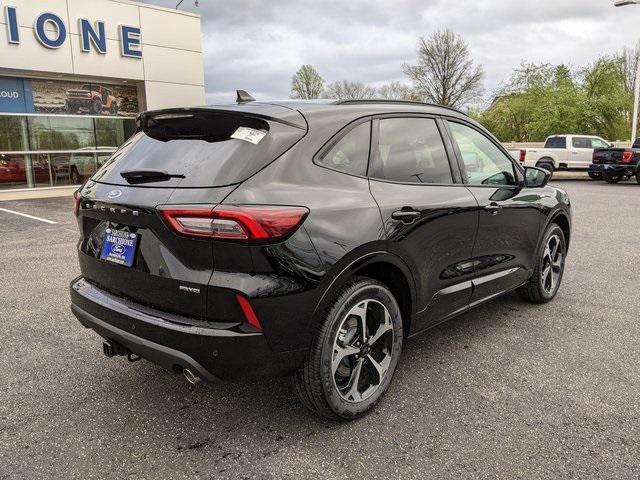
[{"x": 535, "y": 177}]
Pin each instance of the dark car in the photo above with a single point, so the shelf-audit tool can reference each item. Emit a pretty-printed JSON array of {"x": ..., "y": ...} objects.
[
  {"x": 307, "y": 238},
  {"x": 616, "y": 164}
]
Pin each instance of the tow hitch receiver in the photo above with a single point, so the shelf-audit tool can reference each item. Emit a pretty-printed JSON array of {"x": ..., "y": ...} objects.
[{"x": 113, "y": 349}]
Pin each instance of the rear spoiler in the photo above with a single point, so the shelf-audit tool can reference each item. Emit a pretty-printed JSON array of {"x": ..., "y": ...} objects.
[{"x": 293, "y": 121}]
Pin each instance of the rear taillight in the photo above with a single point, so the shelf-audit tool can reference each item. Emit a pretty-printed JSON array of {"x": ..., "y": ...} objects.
[
  {"x": 523, "y": 155},
  {"x": 250, "y": 223},
  {"x": 76, "y": 202},
  {"x": 627, "y": 156}
]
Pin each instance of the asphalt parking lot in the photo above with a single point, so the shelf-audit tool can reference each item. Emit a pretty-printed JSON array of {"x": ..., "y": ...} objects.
[{"x": 508, "y": 391}]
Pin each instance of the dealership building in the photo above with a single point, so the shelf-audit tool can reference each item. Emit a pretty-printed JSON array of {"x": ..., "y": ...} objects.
[{"x": 75, "y": 73}]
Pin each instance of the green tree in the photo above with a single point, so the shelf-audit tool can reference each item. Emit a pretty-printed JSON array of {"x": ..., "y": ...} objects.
[
  {"x": 307, "y": 83},
  {"x": 542, "y": 100},
  {"x": 609, "y": 101}
]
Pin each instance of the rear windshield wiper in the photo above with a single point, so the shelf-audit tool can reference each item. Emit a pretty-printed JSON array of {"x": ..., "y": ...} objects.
[{"x": 148, "y": 175}]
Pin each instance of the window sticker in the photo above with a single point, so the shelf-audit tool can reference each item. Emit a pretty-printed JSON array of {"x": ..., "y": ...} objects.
[{"x": 250, "y": 135}]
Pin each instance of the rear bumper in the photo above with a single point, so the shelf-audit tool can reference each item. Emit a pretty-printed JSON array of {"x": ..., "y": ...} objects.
[
  {"x": 214, "y": 350},
  {"x": 616, "y": 169}
]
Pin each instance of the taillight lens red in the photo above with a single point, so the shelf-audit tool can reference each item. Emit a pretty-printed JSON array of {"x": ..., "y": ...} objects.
[
  {"x": 248, "y": 312},
  {"x": 627, "y": 156},
  {"x": 250, "y": 223},
  {"x": 76, "y": 202},
  {"x": 523, "y": 155}
]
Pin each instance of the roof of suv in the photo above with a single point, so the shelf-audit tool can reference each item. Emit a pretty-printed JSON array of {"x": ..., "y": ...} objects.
[
  {"x": 358, "y": 107},
  {"x": 326, "y": 111},
  {"x": 374, "y": 105}
]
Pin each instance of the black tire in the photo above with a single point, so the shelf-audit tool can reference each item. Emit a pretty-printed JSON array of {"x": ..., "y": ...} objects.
[
  {"x": 547, "y": 165},
  {"x": 537, "y": 290},
  {"x": 96, "y": 107},
  {"x": 316, "y": 382},
  {"x": 638, "y": 177},
  {"x": 611, "y": 177},
  {"x": 595, "y": 175}
]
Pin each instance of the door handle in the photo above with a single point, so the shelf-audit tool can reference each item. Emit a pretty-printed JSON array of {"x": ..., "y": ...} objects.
[
  {"x": 493, "y": 208},
  {"x": 407, "y": 215}
]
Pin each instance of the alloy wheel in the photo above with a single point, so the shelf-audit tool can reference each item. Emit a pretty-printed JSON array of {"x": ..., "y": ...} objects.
[
  {"x": 362, "y": 351},
  {"x": 552, "y": 264}
]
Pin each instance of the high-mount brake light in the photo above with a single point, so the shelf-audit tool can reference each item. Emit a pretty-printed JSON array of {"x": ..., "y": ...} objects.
[{"x": 249, "y": 223}]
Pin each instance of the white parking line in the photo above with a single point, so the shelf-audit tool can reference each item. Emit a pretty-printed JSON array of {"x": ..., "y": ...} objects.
[{"x": 28, "y": 216}]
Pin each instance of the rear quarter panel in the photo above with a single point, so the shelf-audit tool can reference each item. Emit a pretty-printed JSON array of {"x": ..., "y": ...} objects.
[{"x": 344, "y": 223}]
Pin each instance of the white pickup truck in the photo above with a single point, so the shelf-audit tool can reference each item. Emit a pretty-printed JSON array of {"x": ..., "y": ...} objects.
[{"x": 562, "y": 152}]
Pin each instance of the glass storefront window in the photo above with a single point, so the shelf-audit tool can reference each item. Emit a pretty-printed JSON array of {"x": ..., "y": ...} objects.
[
  {"x": 13, "y": 134},
  {"x": 21, "y": 171},
  {"x": 61, "y": 133},
  {"x": 83, "y": 164},
  {"x": 13, "y": 173},
  {"x": 111, "y": 132},
  {"x": 83, "y": 145}
]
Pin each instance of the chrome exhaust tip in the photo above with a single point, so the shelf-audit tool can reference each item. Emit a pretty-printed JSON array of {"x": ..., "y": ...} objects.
[{"x": 191, "y": 377}]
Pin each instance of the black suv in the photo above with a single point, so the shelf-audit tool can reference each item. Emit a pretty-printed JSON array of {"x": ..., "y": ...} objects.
[{"x": 307, "y": 239}]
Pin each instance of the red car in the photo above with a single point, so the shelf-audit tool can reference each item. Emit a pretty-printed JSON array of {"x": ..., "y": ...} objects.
[{"x": 12, "y": 170}]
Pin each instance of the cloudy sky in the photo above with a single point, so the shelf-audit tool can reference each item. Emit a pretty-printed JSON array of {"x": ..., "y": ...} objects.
[{"x": 257, "y": 45}]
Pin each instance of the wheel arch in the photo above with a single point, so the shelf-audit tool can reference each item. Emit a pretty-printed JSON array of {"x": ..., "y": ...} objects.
[
  {"x": 547, "y": 159},
  {"x": 561, "y": 219},
  {"x": 388, "y": 269}
]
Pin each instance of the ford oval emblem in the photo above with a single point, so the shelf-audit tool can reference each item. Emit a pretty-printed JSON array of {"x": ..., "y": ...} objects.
[{"x": 114, "y": 193}]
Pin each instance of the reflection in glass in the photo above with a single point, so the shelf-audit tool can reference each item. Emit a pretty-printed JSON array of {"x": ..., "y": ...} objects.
[
  {"x": 74, "y": 139},
  {"x": 61, "y": 133},
  {"x": 12, "y": 171},
  {"x": 109, "y": 132},
  {"x": 21, "y": 171},
  {"x": 85, "y": 164},
  {"x": 13, "y": 134}
]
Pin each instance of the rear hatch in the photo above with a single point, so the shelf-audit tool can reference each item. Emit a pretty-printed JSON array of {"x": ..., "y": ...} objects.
[{"x": 177, "y": 157}]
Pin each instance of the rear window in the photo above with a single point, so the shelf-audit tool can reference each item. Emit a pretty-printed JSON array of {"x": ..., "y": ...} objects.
[
  {"x": 208, "y": 149},
  {"x": 556, "y": 142}
]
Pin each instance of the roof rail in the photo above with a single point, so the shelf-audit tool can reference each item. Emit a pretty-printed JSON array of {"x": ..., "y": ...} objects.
[{"x": 402, "y": 102}]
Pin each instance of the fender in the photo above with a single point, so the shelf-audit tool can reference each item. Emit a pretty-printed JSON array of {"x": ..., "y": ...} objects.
[
  {"x": 559, "y": 212},
  {"x": 341, "y": 272}
]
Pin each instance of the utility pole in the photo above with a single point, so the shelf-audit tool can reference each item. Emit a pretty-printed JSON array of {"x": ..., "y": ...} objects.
[{"x": 636, "y": 86}]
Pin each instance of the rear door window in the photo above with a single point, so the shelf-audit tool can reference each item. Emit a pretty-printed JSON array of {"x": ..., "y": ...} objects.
[
  {"x": 350, "y": 154},
  {"x": 581, "y": 142},
  {"x": 201, "y": 148},
  {"x": 556, "y": 142},
  {"x": 411, "y": 150}
]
